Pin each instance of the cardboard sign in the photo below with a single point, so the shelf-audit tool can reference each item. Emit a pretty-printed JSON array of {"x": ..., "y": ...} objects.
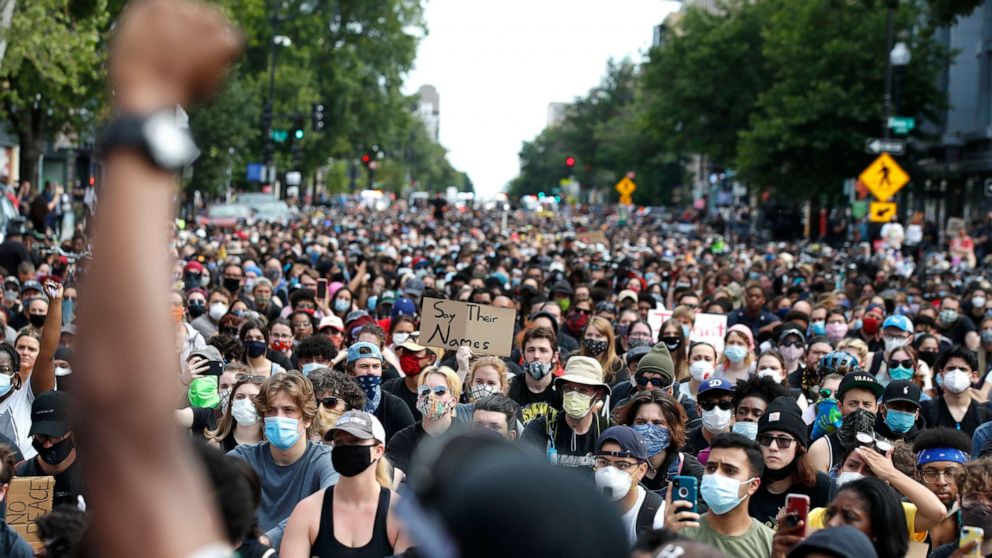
[
  {"x": 450, "y": 324},
  {"x": 710, "y": 328},
  {"x": 592, "y": 237},
  {"x": 28, "y": 499}
]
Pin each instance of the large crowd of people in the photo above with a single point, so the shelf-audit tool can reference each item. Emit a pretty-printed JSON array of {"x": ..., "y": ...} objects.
[{"x": 267, "y": 390}]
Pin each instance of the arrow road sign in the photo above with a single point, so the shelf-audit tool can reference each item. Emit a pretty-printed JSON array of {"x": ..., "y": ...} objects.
[
  {"x": 879, "y": 145},
  {"x": 881, "y": 212}
]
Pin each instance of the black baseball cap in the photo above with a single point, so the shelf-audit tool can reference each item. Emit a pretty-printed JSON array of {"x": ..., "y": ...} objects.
[
  {"x": 630, "y": 442},
  {"x": 862, "y": 380},
  {"x": 902, "y": 390},
  {"x": 838, "y": 542},
  {"x": 50, "y": 414}
]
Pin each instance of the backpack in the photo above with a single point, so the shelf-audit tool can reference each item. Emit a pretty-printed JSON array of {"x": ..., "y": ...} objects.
[{"x": 645, "y": 516}]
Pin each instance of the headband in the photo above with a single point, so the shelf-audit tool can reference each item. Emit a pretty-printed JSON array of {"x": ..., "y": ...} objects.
[{"x": 941, "y": 454}]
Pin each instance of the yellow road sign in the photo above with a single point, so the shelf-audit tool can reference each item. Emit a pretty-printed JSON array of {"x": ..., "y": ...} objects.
[
  {"x": 884, "y": 177},
  {"x": 625, "y": 187},
  {"x": 881, "y": 212},
  {"x": 626, "y": 199}
]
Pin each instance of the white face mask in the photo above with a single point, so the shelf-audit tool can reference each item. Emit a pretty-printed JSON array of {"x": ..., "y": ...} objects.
[
  {"x": 957, "y": 381},
  {"x": 244, "y": 413},
  {"x": 848, "y": 476},
  {"x": 400, "y": 337},
  {"x": 717, "y": 420},
  {"x": 701, "y": 370},
  {"x": 978, "y": 302},
  {"x": 217, "y": 310},
  {"x": 766, "y": 372},
  {"x": 614, "y": 483},
  {"x": 893, "y": 343}
]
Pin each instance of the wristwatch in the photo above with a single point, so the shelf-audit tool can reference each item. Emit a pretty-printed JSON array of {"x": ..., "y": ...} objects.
[{"x": 157, "y": 136}]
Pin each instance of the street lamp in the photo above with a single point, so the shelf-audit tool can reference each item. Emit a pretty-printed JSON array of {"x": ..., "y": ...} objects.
[{"x": 900, "y": 55}]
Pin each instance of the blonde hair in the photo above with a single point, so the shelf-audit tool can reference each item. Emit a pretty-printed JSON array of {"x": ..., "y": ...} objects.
[
  {"x": 855, "y": 345},
  {"x": 296, "y": 386},
  {"x": 495, "y": 362},
  {"x": 451, "y": 379},
  {"x": 384, "y": 472}
]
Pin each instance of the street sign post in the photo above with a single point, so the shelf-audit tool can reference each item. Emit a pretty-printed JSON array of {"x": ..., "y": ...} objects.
[
  {"x": 902, "y": 124},
  {"x": 881, "y": 212},
  {"x": 625, "y": 188},
  {"x": 884, "y": 177},
  {"x": 876, "y": 146}
]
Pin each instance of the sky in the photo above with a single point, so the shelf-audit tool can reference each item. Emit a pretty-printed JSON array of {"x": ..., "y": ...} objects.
[{"x": 497, "y": 65}]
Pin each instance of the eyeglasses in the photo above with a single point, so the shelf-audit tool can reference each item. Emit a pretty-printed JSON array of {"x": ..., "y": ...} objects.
[
  {"x": 438, "y": 390},
  {"x": 724, "y": 404},
  {"x": 329, "y": 403},
  {"x": 602, "y": 463},
  {"x": 881, "y": 445},
  {"x": 249, "y": 378},
  {"x": 908, "y": 363},
  {"x": 933, "y": 475},
  {"x": 656, "y": 382},
  {"x": 782, "y": 442}
]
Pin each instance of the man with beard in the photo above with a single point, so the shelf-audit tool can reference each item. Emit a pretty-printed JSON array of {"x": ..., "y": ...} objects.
[{"x": 858, "y": 396}]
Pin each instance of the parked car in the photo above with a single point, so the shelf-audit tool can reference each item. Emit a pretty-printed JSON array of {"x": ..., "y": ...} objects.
[{"x": 274, "y": 212}]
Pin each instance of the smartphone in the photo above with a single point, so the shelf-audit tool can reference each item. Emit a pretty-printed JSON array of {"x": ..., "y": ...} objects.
[
  {"x": 215, "y": 368},
  {"x": 685, "y": 488},
  {"x": 968, "y": 534},
  {"x": 796, "y": 510},
  {"x": 321, "y": 289}
]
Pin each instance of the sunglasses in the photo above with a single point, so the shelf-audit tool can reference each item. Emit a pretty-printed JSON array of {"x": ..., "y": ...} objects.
[
  {"x": 795, "y": 344},
  {"x": 329, "y": 402},
  {"x": 901, "y": 363},
  {"x": 782, "y": 442},
  {"x": 438, "y": 390},
  {"x": 249, "y": 378},
  {"x": 656, "y": 382},
  {"x": 583, "y": 311},
  {"x": 724, "y": 405}
]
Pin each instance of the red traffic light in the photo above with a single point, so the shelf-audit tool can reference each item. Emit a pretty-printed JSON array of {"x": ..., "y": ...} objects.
[
  {"x": 569, "y": 161},
  {"x": 366, "y": 158}
]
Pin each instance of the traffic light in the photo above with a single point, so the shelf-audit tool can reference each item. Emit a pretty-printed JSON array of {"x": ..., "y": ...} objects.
[
  {"x": 298, "y": 127},
  {"x": 569, "y": 162},
  {"x": 366, "y": 159},
  {"x": 317, "y": 117}
]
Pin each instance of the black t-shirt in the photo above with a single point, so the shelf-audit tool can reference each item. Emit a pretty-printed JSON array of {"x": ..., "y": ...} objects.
[
  {"x": 694, "y": 441},
  {"x": 936, "y": 413},
  {"x": 393, "y": 414},
  {"x": 399, "y": 389},
  {"x": 764, "y": 505},
  {"x": 691, "y": 467},
  {"x": 404, "y": 443},
  {"x": 959, "y": 329},
  {"x": 278, "y": 358},
  {"x": 204, "y": 418},
  {"x": 524, "y": 397},
  {"x": 572, "y": 450},
  {"x": 12, "y": 253},
  {"x": 68, "y": 483}
]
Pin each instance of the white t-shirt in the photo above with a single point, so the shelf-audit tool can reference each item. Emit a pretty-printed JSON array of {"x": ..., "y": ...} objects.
[
  {"x": 630, "y": 518},
  {"x": 15, "y": 419}
]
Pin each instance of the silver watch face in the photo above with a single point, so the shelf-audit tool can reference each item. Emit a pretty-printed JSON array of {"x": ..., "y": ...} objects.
[{"x": 170, "y": 146}]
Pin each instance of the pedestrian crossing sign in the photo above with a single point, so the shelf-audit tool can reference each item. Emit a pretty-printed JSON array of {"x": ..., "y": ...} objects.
[{"x": 884, "y": 177}]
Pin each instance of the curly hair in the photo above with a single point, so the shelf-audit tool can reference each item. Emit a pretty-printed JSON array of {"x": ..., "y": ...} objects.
[
  {"x": 495, "y": 362},
  {"x": 340, "y": 384},
  {"x": 296, "y": 386},
  {"x": 674, "y": 413},
  {"x": 765, "y": 388},
  {"x": 976, "y": 476},
  {"x": 942, "y": 437}
]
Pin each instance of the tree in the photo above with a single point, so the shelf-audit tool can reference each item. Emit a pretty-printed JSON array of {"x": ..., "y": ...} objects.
[{"x": 52, "y": 73}]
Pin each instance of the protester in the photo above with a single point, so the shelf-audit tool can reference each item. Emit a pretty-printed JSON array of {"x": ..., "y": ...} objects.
[
  {"x": 496, "y": 413},
  {"x": 289, "y": 466},
  {"x": 438, "y": 391},
  {"x": 365, "y": 366},
  {"x": 335, "y": 394},
  {"x": 857, "y": 397},
  {"x": 358, "y": 502},
  {"x": 941, "y": 455},
  {"x": 975, "y": 485},
  {"x": 750, "y": 401},
  {"x": 255, "y": 337},
  {"x": 413, "y": 359},
  {"x": 568, "y": 437},
  {"x": 620, "y": 464},
  {"x": 533, "y": 390},
  {"x": 955, "y": 408},
  {"x": 598, "y": 342},
  {"x": 738, "y": 358},
  {"x": 51, "y": 435},
  {"x": 733, "y": 475},
  {"x": 702, "y": 364},
  {"x": 11, "y": 544},
  {"x": 899, "y": 413},
  {"x": 239, "y": 424},
  {"x": 716, "y": 404}
]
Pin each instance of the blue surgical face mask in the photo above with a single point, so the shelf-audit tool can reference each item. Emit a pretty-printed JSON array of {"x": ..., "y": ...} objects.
[
  {"x": 899, "y": 422},
  {"x": 282, "y": 432},
  {"x": 857, "y": 325},
  {"x": 818, "y": 328},
  {"x": 68, "y": 310},
  {"x": 900, "y": 373},
  {"x": 5, "y": 385},
  {"x": 309, "y": 367},
  {"x": 686, "y": 331},
  {"x": 735, "y": 353},
  {"x": 721, "y": 493},
  {"x": 655, "y": 437},
  {"x": 747, "y": 429}
]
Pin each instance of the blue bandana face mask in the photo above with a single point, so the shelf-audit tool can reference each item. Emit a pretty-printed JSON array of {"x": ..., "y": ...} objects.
[{"x": 655, "y": 437}]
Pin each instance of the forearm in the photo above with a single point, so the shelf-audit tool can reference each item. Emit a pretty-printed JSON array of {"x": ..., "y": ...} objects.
[
  {"x": 43, "y": 375},
  {"x": 149, "y": 485},
  {"x": 929, "y": 509}
]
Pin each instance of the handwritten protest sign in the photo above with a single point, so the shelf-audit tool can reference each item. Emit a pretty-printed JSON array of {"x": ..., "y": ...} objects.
[
  {"x": 450, "y": 324},
  {"x": 709, "y": 328},
  {"x": 28, "y": 499}
]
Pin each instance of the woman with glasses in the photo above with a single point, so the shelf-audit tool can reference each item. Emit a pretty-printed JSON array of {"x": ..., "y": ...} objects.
[
  {"x": 660, "y": 421},
  {"x": 239, "y": 424},
  {"x": 281, "y": 338},
  {"x": 255, "y": 337},
  {"x": 336, "y": 393},
  {"x": 438, "y": 390},
  {"x": 782, "y": 435}
]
